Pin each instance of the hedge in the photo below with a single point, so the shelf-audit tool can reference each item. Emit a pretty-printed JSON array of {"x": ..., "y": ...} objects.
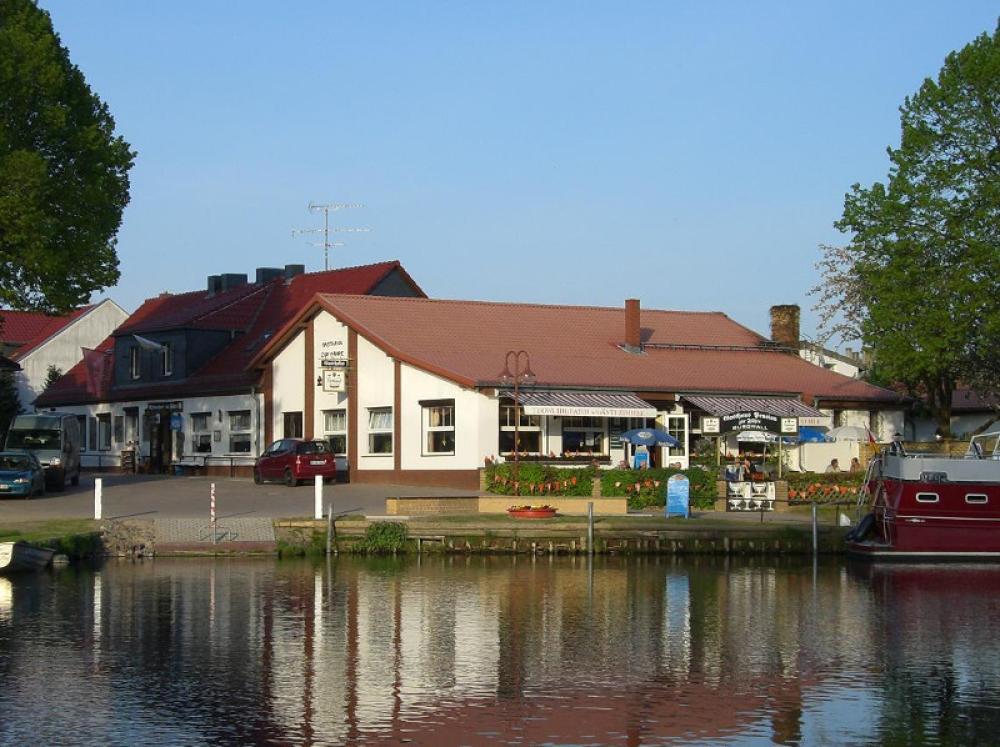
[
  {"x": 649, "y": 487},
  {"x": 539, "y": 479},
  {"x": 806, "y": 487}
]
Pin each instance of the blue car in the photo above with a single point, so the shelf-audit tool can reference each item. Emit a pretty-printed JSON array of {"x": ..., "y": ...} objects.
[{"x": 21, "y": 474}]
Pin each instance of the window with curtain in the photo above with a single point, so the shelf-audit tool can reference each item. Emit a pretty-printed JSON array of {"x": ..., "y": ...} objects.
[
  {"x": 439, "y": 428},
  {"x": 335, "y": 430},
  {"x": 379, "y": 430}
]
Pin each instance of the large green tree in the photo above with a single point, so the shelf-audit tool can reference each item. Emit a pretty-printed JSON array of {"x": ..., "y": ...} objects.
[
  {"x": 63, "y": 171},
  {"x": 919, "y": 280}
]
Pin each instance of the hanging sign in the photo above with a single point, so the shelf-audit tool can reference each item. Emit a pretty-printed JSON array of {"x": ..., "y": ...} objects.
[
  {"x": 749, "y": 420},
  {"x": 709, "y": 425},
  {"x": 334, "y": 380},
  {"x": 789, "y": 425},
  {"x": 678, "y": 496},
  {"x": 176, "y": 422}
]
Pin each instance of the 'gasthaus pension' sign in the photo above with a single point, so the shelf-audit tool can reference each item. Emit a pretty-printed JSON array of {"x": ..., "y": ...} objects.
[{"x": 750, "y": 420}]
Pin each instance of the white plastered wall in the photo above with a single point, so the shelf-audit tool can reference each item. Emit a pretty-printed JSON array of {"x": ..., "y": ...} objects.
[
  {"x": 329, "y": 337},
  {"x": 289, "y": 373},
  {"x": 376, "y": 388}
]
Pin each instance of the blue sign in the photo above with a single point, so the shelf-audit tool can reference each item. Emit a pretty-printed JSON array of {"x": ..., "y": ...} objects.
[
  {"x": 176, "y": 422},
  {"x": 678, "y": 491}
]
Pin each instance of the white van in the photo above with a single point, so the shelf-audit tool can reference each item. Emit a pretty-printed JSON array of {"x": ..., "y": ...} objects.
[{"x": 55, "y": 442}]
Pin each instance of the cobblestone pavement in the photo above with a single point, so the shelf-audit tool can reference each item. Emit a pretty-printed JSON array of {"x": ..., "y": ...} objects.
[{"x": 155, "y": 497}]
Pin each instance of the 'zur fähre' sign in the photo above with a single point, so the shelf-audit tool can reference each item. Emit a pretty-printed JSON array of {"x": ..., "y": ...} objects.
[{"x": 749, "y": 420}]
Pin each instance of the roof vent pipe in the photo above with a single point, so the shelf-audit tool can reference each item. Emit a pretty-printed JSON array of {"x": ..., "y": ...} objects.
[{"x": 633, "y": 342}]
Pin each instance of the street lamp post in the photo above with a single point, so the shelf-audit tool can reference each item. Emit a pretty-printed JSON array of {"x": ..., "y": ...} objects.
[{"x": 520, "y": 375}]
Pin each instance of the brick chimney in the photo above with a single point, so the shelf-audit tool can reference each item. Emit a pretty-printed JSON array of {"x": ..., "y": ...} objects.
[
  {"x": 633, "y": 341},
  {"x": 785, "y": 325}
]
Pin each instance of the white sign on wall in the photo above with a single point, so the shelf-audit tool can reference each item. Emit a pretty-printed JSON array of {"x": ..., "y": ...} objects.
[
  {"x": 334, "y": 380},
  {"x": 709, "y": 425}
]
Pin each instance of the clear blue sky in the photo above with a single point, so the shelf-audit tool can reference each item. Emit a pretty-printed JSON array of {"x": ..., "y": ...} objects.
[{"x": 690, "y": 154}]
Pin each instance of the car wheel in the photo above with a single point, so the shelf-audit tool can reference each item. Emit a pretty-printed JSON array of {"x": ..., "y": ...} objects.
[
  {"x": 290, "y": 480},
  {"x": 257, "y": 479}
]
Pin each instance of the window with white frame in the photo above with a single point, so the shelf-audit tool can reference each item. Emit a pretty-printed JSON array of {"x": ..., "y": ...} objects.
[
  {"x": 82, "y": 422},
  {"x": 583, "y": 435},
  {"x": 530, "y": 431},
  {"x": 135, "y": 362},
  {"x": 167, "y": 358},
  {"x": 239, "y": 432},
  {"x": 677, "y": 427},
  {"x": 438, "y": 422},
  {"x": 104, "y": 431},
  {"x": 335, "y": 430},
  {"x": 201, "y": 436},
  {"x": 379, "y": 430}
]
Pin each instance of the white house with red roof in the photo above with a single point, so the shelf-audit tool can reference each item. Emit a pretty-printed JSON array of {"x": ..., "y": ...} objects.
[
  {"x": 411, "y": 388},
  {"x": 36, "y": 341},
  {"x": 172, "y": 384}
]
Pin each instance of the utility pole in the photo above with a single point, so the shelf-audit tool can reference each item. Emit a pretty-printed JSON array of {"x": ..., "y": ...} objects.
[{"x": 326, "y": 230}]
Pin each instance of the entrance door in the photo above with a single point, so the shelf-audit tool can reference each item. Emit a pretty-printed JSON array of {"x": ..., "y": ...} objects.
[{"x": 160, "y": 440}]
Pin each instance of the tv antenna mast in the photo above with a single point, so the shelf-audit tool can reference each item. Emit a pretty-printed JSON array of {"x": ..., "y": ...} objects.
[{"x": 327, "y": 229}]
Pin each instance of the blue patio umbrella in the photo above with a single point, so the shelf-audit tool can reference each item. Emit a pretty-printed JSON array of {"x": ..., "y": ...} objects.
[
  {"x": 649, "y": 437},
  {"x": 809, "y": 434}
]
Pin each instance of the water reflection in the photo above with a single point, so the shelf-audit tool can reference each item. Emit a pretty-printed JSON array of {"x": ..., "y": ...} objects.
[{"x": 499, "y": 651}]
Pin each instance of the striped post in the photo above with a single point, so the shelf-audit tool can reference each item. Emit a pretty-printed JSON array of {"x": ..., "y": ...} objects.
[{"x": 211, "y": 511}]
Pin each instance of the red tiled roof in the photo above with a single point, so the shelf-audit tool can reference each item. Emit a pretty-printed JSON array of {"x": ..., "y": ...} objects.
[
  {"x": 256, "y": 311},
  {"x": 29, "y": 329},
  {"x": 967, "y": 400},
  {"x": 575, "y": 346}
]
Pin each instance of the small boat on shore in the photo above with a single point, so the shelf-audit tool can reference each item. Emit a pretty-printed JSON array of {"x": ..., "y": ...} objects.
[
  {"x": 932, "y": 506},
  {"x": 20, "y": 556}
]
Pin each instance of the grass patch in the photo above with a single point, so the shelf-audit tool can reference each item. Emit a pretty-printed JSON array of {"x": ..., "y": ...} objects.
[
  {"x": 382, "y": 537},
  {"x": 49, "y": 529}
]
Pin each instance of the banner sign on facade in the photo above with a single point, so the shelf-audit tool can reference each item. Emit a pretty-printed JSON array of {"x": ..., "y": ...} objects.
[
  {"x": 678, "y": 496},
  {"x": 749, "y": 420}
]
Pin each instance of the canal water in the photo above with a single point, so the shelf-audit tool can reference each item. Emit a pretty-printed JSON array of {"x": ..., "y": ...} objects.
[{"x": 500, "y": 651}]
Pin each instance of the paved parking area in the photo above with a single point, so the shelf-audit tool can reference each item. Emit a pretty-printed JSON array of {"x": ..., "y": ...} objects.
[{"x": 154, "y": 496}]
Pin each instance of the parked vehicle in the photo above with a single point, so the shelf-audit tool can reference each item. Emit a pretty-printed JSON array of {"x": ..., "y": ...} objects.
[
  {"x": 55, "y": 442},
  {"x": 932, "y": 506},
  {"x": 20, "y": 556},
  {"x": 21, "y": 474},
  {"x": 293, "y": 460}
]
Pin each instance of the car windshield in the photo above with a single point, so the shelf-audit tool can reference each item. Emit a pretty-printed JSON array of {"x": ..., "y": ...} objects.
[
  {"x": 40, "y": 438},
  {"x": 313, "y": 447},
  {"x": 14, "y": 462}
]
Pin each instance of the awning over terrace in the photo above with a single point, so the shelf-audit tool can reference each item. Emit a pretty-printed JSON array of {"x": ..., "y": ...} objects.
[
  {"x": 584, "y": 404},
  {"x": 780, "y": 406}
]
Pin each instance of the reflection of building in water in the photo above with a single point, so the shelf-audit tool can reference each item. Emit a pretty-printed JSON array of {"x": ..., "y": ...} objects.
[{"x": 446, "y": 648}]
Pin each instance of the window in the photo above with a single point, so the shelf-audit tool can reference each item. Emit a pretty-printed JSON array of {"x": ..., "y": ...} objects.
[
  {"x": 201, "y": 439},
  {"x": 132, "y": 425},
  {"x": 677, "y": 427},
  {"x": 82, "y": 421},
  {"x": 976, "y": 498},
  {"x": 119, "y": 429},
  {"x": 379, "y": 430},
  {"x": 134, "y": 362},
  {"x": 335, "y": 429},
  {"x": 293, "y": 425},
  {"x": 530, "y": 431},
  {"x": 92, "y": 434},
  {"x": 439, "y": 427},
  {"x": 104, "y": 432},
  {"x": 927, "y": 497},
  {"x": 239, "y": 432},
  {"x": 167, "y": 358},
  {"x": 583, "y": 435}
]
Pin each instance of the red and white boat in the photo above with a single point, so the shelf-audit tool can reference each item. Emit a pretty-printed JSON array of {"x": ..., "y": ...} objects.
[{"x": 931, "y": 506}]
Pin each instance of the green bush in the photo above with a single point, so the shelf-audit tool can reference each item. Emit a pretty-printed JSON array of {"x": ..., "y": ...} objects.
[
  {"x": 540, "y": 480},
  {"x": 822, "y": 487},
  {"x": 646, "y": 488},
  {"x": 383, "y": 537}
]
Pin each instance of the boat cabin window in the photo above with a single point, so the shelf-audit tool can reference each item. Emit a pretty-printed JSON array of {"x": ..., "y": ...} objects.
[
  {"x": 927, "y": 497},
  {"x": 975, "y": 498}
]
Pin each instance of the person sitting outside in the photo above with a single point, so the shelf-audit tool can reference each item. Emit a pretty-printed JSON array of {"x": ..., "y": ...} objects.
[
  {"x": 834, "y": 466},
  {"x": 896, "y": 447},
  {"x": 855, "y": 464}
]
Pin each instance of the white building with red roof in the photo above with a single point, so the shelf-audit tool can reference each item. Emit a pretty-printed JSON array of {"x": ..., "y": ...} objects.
[
  {"x": 410, "y": 388},
  {"x": 37, "y": 341},
  {"x": 172, "y": 384}
]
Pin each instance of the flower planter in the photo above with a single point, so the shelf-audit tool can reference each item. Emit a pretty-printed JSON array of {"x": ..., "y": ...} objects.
[{"x": 531, "y": 512}]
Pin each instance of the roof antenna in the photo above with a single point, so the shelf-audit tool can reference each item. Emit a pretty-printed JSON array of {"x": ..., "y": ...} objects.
[{"x": 326, "y": 230}]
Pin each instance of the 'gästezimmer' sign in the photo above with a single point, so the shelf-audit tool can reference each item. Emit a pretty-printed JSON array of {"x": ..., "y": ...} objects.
[{"x": 749, "y": 420}]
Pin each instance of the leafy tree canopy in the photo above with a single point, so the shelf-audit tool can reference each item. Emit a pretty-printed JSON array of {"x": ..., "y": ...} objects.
[
  {"x": 63, "y": 172},
  {"x": 919, "y": 280}
]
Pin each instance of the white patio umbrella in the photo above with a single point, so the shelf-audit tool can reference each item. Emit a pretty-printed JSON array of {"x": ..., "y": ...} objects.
[{"x": 848, "y": 433}]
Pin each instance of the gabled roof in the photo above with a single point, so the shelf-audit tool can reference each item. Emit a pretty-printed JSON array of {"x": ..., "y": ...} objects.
[
  {"x": 580, "y": 347},
  {"x": 29, "y": 329},
  {"x": 254, "y": 311}
]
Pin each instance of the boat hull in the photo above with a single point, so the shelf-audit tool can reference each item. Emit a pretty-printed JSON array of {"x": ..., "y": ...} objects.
[{"x": 20, "y": 556}]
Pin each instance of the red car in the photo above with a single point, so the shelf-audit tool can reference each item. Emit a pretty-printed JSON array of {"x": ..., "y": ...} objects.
[{"x": 293, "y": 460}]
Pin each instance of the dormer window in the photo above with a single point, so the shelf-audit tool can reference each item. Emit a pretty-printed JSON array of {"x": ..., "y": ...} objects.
[
  {"x": 134, "y": 362},
  {"x": 167, "y": 358}
]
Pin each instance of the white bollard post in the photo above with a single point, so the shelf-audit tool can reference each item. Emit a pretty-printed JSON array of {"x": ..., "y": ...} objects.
[
  {"x": 98, "y": 497},
  {"x": 318, "y": 494}
]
